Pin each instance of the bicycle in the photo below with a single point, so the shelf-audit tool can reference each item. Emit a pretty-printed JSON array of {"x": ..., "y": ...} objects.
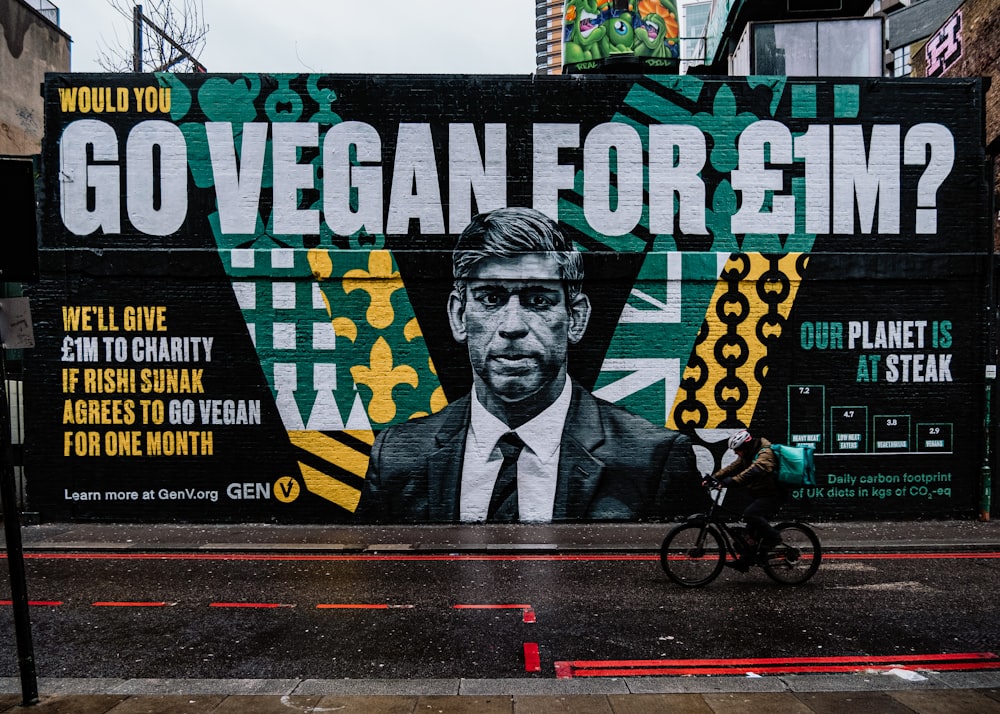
[{"x": 695, "y": 551}]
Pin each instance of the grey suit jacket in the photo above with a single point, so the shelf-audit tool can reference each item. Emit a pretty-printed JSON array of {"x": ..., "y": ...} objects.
[{"x": 613, "y": 465}]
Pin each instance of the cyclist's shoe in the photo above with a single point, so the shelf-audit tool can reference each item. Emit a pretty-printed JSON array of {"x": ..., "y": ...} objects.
[
  {"x": 769, "y": 548},
  {"x": 742, "y": 564},
  {"x": 784, "y": 555},
  {"x": 769, "y": 543}
]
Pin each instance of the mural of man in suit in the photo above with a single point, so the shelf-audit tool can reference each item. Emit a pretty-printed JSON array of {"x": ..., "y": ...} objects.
[{"x": 528, "y": 443}]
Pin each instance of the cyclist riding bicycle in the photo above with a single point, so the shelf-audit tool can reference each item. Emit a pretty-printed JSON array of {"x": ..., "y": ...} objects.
[{"x": 755, "y": 469}]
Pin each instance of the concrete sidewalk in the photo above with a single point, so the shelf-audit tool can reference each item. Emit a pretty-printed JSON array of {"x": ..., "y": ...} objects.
[
  {"x": 836, "y": 536},
  {"x": 891, "y": 701}
]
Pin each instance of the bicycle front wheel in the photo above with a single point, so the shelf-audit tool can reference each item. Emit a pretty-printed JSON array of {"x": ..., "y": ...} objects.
[
  {"x": 796, "y": 558},
  {"x": 692, "y": 554}
]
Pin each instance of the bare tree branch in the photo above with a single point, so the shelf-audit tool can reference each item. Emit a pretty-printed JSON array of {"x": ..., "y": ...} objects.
[{"x": 181, "y": 20}]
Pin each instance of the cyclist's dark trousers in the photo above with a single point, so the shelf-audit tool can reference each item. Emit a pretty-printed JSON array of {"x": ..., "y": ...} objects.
[{"x": 759, "y": 513}]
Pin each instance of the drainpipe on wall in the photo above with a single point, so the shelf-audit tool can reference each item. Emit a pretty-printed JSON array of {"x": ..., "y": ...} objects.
[{"x": 986, "y": 474}]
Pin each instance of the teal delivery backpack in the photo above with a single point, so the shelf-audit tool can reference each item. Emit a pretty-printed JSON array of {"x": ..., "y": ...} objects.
[{"x": 795, "y": 464}]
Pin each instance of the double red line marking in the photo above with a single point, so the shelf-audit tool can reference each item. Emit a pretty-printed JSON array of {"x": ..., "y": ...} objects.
[
  {"x": 461, "y": 557},
  {"x": 774, "y": 665}
]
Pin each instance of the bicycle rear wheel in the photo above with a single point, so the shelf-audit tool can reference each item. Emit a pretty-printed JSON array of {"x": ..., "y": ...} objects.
[
  {"x": 798, "y": 556},
  {"x": 692, "y": 554}
]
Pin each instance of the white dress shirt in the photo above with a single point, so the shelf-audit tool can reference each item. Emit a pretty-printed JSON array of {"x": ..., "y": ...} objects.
[{"x": 537, "y": 466}]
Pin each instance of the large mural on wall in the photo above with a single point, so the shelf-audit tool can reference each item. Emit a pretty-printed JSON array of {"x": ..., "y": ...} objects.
[{"x": 313, "y": 298}]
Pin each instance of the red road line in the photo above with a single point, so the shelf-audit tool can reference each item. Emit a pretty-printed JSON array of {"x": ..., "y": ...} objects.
[
  {"x": 527, "y": 610},
  {"x": 265, "y": 605},
  {"x": 41, "y": 603},
  {"x": 908, "y": 556},
  {"x": 351, "y": 606},
  {"x": 127, "y": 604},
  {"x": 532, "y": 660},
  {"x": 777, "y": 665},
  {"x": 331, "y": 557},
  {"x": 838, "y": 659},
  {"x": 988, "y": 555},
  {"x": 801, "y": 669}
]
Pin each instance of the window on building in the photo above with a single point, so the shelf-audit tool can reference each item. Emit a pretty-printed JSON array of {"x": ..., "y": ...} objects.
[
  {"x": 694, "y": 19},
  {"x": 901, "y": 62},
  {"x": 829, "y": 48}
]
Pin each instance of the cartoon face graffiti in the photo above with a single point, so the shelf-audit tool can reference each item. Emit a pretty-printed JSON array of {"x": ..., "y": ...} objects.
[
  {"x": 587, "y": 32},
  {"x": 651, "y": 35},
  {"x": 657, "y": 34},
  {"x": 621, "y": 36}
]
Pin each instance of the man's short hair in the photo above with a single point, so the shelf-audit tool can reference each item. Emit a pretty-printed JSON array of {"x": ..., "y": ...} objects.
[{"x": 509, "y": 233}]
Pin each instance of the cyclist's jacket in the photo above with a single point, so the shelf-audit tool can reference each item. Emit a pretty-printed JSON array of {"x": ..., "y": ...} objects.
[{"x": 758, "y": 474}]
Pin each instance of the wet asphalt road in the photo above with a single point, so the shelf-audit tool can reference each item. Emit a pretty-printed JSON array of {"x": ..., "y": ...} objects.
[{"x": 407, "y": 617}]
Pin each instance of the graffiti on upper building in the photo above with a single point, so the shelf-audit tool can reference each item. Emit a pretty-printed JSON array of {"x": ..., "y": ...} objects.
[
  {"x": 598, "y": 32},
  {"x": 944, "y": 47}
]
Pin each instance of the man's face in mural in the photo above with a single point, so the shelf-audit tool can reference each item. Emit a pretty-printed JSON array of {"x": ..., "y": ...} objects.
[{"x": 518, "y": 323}]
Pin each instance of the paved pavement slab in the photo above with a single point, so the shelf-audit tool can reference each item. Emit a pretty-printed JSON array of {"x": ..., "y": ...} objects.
[
  {"x": 567, "y": 704},
  {"x": 366, "y": 705},
  {"x": 252, "y": 704},
  {"x": 947, "y": 701},
  {"x": 657, "y": 703},
  {"x": 465, "y": 705},
  {"x": 168, "y": 703},
  {"x": 740, "y": 703},
  {"x": 853, "y": 702},
  {"x": 72, "y": 704}
]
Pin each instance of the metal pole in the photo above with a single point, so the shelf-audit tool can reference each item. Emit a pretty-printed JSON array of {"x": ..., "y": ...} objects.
[
  {"x": 985, "y": 473},
  {"x": 137, "y": 38},
  {"x": 15, "y": 550},
  {"x": 185, "y": 55}
]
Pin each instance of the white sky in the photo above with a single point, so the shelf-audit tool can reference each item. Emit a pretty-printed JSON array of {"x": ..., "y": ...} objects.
[{"x": 334, "y": 36}]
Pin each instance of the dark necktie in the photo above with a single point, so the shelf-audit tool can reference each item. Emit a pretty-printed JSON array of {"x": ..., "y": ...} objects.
[{"x": 503, "y": 503}]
